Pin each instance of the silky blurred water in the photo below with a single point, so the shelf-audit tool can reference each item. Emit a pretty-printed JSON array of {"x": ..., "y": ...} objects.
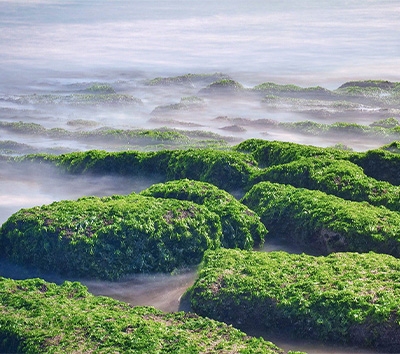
[{"x": 309, "y": 41}]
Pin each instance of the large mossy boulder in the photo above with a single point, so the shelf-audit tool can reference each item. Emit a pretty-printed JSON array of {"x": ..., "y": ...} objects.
[
  {"x": 338, "y": 177},
  {"x": 111, "y": 236},
  {"x": 241, "y": 227},
  {"x": 323, "y": 222},
  {"x": 41, "y": 317},
  {"x": 345, "y": 297}
]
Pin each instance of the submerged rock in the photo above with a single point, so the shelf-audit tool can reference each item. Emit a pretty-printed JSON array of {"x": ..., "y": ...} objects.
[
  {"x": 382, "y": 84},
  {"x": 187, "y": 80},
  {"x": 224, "y": 86},
  {"x": 186, "y": 104}
]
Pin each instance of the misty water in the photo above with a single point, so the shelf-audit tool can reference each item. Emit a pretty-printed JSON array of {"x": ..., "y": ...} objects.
[{"x": 53, "y": 51}]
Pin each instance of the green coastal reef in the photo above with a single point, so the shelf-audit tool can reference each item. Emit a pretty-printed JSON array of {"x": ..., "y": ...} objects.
[
  {"x": 193, "y": 114},
  {"x": 216, "y": 204},
  {"x": 216, "y": 208}
]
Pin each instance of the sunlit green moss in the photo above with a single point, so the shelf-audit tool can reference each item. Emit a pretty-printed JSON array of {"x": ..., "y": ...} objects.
[
  {"x": 269, "y": 153},
  {"x": 345, "y": 297},
  {"x": 380, "y": 164},
  {"x": 324, "y": 222},
  {"x": 338, "y": 177},
  {"x": 111, "y": 236},
  {"x": 241, "y": 227},
  {"x": 41, "y": 317}
]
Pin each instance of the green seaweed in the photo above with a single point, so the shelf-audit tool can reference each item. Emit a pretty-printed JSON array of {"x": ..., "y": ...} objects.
[
  {"x": 110, "y": 237},
  {"x": 41, "y": 317},
  {"x": 338, "y": 177},
  {"x": 269, "y": 153},
  {"x": 223, "y": 86},
  {"x": 386, "y": 123},
  {"x": 324, "y": 222},
  {"x": 187, "y": 79},
  {"x": 273, "y": 87},
  {"x": 380, "y": 164},
  {"x": 241, "y": 227},
  {"x": 345, "y": 297},
  {"x": 100, "y": 88}
]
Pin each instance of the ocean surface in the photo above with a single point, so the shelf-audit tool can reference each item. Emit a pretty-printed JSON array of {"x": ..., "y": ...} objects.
[{"x": 305, "y": 42}]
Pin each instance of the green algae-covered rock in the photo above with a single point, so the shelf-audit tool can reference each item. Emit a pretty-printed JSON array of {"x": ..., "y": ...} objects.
[
  {"x": 345, "y": 297},
  {"x": 323, "y": 222},
  {"x": 369, "y": 88},
  {"x": 270, "y": 153},
  {"x": 229, "y": 170},
  {"x": 111, "y": 236},
  {"x": 90, "y": 97},
  {"x": 380, "y": 164},
  {"x": 187, "y": 80},
  {"x": 223, "y": 86},
  {"x": 338, "y": 177},
  {"x": 226, "y": 169},
  {"x": 241, "y": 227},
  {"x": 41, "y": 317}
]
